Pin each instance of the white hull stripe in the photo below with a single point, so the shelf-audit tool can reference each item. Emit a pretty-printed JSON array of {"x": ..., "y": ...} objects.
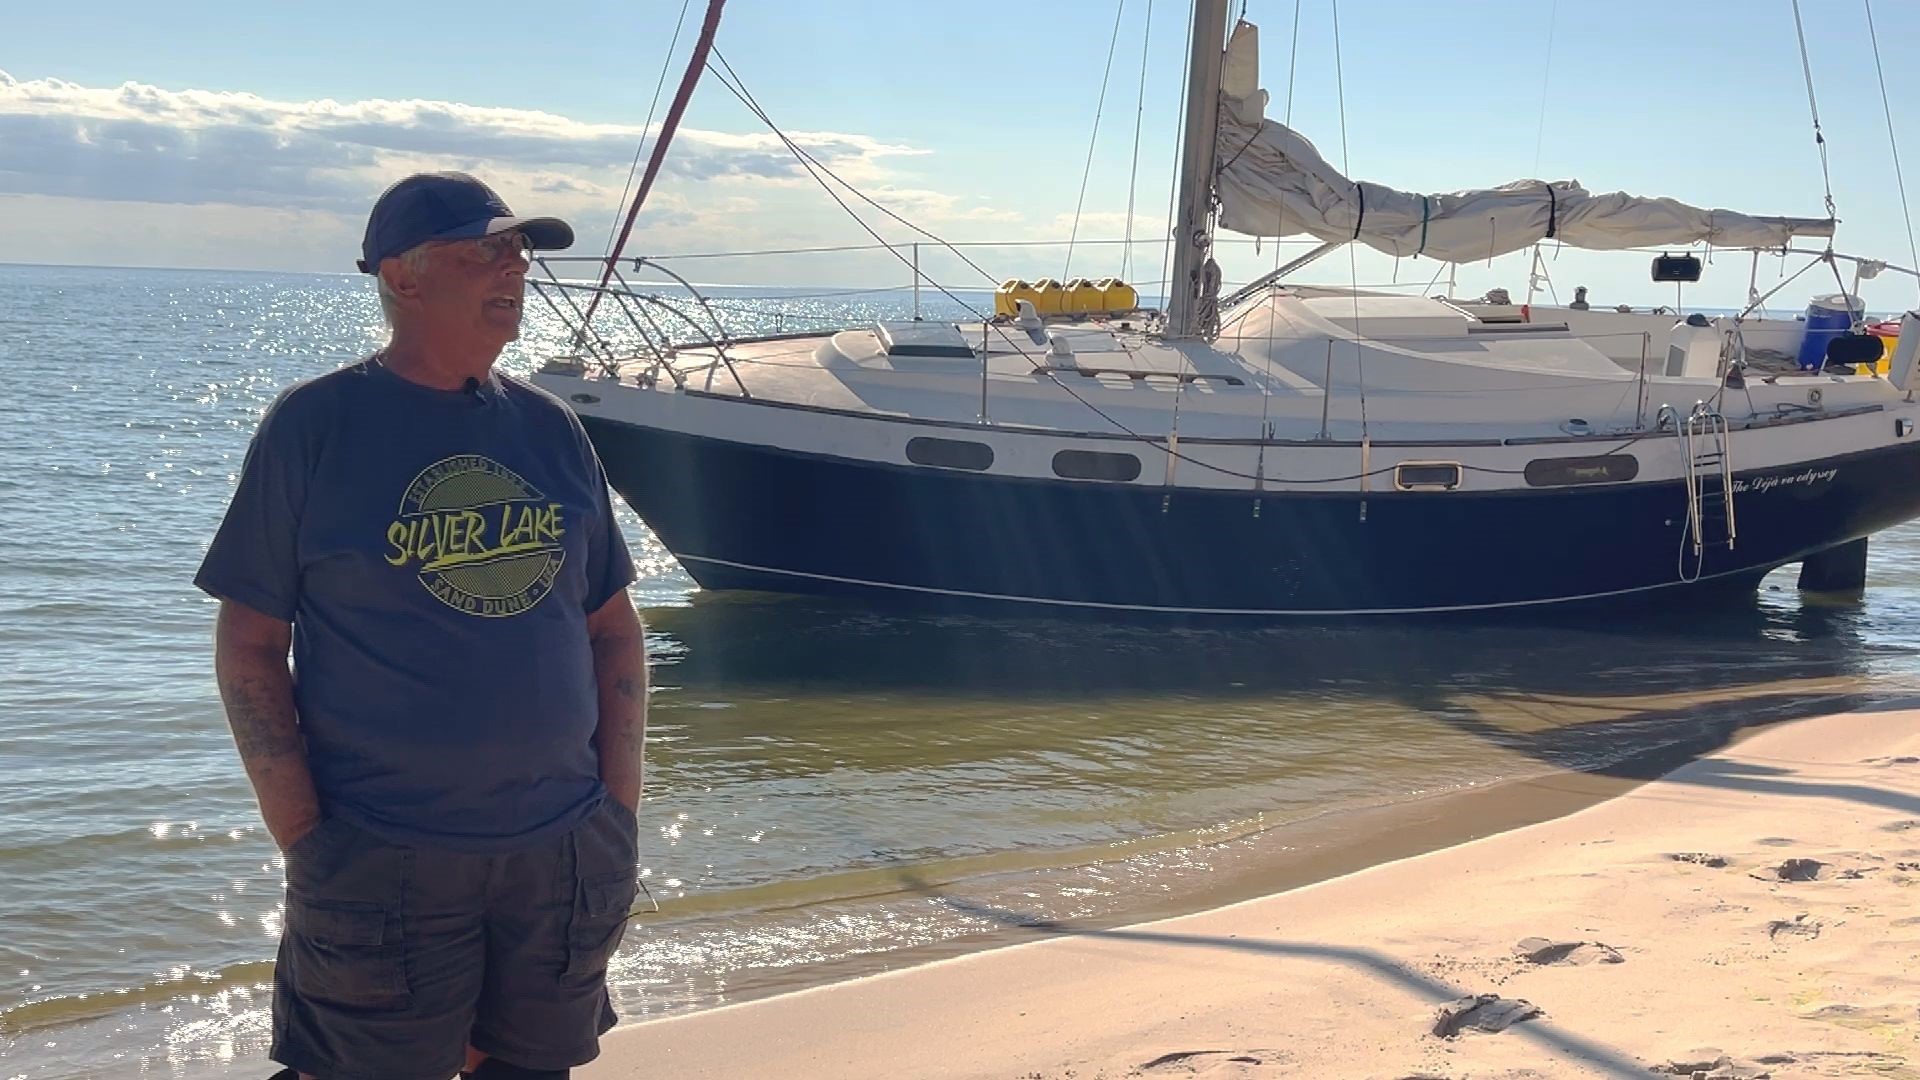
[{"x": 1170, "y": 610}]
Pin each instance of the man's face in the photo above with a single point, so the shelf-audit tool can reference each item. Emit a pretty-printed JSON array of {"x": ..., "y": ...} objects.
[{"x": 474, "y": 289}]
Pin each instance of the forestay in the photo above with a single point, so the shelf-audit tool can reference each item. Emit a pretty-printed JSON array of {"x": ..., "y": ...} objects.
[{"x": 1272, "y": 182}]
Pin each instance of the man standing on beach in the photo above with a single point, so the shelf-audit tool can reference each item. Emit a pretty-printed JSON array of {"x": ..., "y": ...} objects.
[{"x": 452, "y": 766}]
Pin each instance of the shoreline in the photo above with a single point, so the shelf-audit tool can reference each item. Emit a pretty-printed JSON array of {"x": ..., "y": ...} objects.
[
  {"x": 1343, "y": 976},
  {"x": 1295, "y": 853}
]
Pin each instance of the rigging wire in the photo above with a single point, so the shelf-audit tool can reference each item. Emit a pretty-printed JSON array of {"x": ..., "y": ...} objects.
[
  {"x": 633, "y": 170},
  {"x": 1279, "y": 230},
  {"x": 1173, "y": 182},
  {"x": 1293, "y": 62},
  {"x": 829, "y": 248},
  {"x": 1854, "y": 315},
  {"x": 1353, "y": 266},
  {"x": 1899, "y": 175},
  {"x": 1819, "y": 139},
  {"x": 1546, "y": 79},
  {"x": 811, "y": 163},
  {"x": 807, "y": 162},
  {"x": 1093, "y": 140},
  {"x": 1133, "y": 170},
  {"x": 1340, "y": 88}
]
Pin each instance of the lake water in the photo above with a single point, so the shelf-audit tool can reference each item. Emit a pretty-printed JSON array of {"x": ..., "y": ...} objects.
[{"x": 831, "y": 790}]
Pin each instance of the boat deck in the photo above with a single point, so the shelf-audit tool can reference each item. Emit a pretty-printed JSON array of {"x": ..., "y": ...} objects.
[{"x": 1292, "y": 365}]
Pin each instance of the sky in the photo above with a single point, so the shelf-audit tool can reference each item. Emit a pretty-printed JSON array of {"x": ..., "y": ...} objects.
[{"x": 250, "y": 136}]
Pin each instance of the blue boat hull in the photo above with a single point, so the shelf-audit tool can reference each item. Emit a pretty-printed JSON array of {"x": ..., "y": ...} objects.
[{"x": 741, "y": 516}]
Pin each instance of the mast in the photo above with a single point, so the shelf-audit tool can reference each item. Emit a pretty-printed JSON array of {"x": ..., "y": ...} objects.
[{"x": 1196, "y": 166}]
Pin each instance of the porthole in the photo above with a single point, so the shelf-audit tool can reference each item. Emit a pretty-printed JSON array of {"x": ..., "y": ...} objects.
[
  {"x": 1426, "y": 475},
  {"x": 1095, "y": 465},
  {"x": 1567, "y": 471},
  {"x": 950, "y": 453}
]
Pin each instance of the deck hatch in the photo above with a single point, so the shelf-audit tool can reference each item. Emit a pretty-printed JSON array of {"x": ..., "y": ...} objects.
[{"x": 922, "y": 339}]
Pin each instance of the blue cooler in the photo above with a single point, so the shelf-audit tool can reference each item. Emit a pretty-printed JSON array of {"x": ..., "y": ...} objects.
[{"x": 1827, "y": 318}]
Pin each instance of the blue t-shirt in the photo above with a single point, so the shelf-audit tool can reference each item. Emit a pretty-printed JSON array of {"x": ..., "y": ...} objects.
[{"x": 437, "y": 553}]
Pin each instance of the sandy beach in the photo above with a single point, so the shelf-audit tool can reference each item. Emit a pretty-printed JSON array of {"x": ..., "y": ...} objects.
[{"x": 1753, "y": 913}]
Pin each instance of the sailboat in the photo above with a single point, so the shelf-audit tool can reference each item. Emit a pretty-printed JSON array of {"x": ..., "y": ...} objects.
[{"x": 1282, "y": 451}]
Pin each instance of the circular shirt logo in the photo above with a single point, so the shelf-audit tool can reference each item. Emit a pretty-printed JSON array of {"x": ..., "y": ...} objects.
[{"x": 483, "y": 540}]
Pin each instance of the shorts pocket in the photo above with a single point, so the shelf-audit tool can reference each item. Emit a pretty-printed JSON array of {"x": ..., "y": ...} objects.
[
  {"x": 601, "y": 907},
  {"x": 346, "y": 954},
  {"x": 606, "y": 881}
]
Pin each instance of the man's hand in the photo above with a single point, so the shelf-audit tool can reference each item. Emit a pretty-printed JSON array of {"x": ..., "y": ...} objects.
[
  {"x": 620, "y": 669},
  {"x": 250, "y": 662},
  {"x": 285, "y": 842}
]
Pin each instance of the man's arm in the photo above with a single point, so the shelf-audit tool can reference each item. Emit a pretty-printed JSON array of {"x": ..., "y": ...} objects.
[
  {"x": 620, "y": 669},
  {"x": 250, "y": 661}
]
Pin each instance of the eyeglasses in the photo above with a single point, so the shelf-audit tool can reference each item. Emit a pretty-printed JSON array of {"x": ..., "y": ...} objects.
[{"x": 490, "y": 249}]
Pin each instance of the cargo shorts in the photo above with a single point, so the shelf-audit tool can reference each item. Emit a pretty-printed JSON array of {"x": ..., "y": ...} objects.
[{"x": 394, "y": 959}]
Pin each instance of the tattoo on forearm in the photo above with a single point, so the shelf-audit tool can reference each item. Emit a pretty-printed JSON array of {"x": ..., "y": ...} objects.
[
  {"x": 628, "y": 686},
  {"x": 261, "y": 725}
]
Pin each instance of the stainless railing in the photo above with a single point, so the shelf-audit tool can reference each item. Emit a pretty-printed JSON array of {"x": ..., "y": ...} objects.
[{"x": 647, "y": 315}]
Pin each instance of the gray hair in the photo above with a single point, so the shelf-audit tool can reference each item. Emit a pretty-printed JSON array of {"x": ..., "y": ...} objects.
[{"x": 414, "y": 259}]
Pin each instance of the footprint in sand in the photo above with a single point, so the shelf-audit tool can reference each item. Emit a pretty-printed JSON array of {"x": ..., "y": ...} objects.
[
  {"x": 1776, "y": 841},
  {"x": 1807, "y": 870},
  {"x": 1800, "y": 926},
  {"x": 1482, "y": 1012},
  {"x": 1905, "y": 759},
  {"x": 1220, "y": 1063},
  {"x": 1543, "y": 951},
  {"x": 1723, "y": 1067},
  {"x": 1699, "y": 858},
  {"x": 1901, "y": 826},
  {"x": 1863, "y": 1016}
]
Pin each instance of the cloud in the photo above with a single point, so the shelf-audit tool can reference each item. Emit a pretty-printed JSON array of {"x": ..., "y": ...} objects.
[
  {"x": 141, "y": 175},
  {"x": 554, "y": 184},
  {"x": 143, "y": 143}
]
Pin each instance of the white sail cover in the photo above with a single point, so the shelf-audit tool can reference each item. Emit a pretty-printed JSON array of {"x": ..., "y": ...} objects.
[{"x": 1272, "y": 182}]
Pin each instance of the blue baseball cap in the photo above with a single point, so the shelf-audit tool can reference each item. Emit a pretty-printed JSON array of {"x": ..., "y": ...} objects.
[{"x": 447, "y": 206}]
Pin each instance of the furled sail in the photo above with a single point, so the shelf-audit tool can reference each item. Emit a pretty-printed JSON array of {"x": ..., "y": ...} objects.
[{"x": 1272, "y": 182}]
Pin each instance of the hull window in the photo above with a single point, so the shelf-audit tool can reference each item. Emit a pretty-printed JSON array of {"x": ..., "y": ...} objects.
[
  {"x": 950, "y": 454},
  {"x": 1561, "y": 472},
  {"x": 1426, "y": 475},
  {"x": 1095, "y": 465}
]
